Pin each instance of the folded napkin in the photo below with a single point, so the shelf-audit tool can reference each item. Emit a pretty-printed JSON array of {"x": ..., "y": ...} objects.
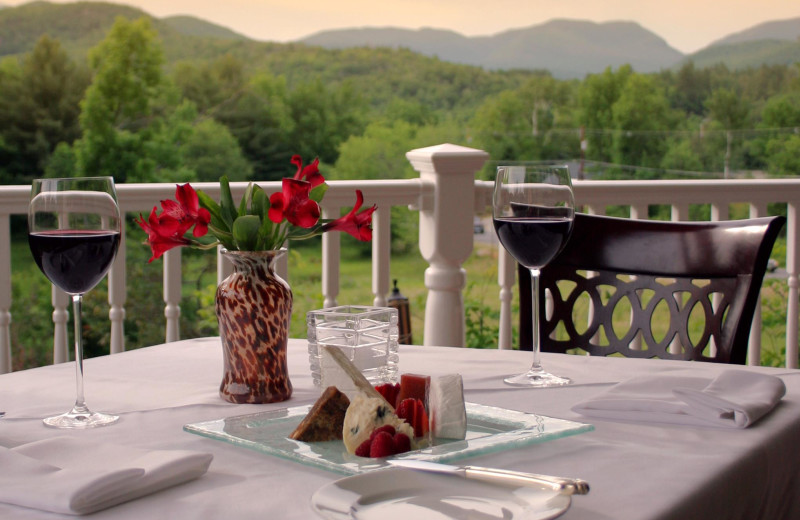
[
  {"x": 79, "y": 475},
  {"x": 734, "y": 399}
]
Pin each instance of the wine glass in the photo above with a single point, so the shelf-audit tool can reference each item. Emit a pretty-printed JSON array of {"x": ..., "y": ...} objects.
[
  {"x": 74, "y": 233},
  {"x": 533, "y": 209}
]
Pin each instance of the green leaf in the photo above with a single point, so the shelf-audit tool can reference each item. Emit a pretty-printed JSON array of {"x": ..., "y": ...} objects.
[
  {"x": 245, "y": 232},
  {"x": 211, "y": 205},
  {"x": 225, "y": 237},
  {"x": 260, "y": 202},
  {"x": 246, "y": 199},
  {"x": 318, "y": 192},
  {"x": 226, "y": 202}
]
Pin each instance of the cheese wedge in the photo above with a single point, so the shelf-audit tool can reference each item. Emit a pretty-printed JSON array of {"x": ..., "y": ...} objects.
[{"x": 446, "y": 405}]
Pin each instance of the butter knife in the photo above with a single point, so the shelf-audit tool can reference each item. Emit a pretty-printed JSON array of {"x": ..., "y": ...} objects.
[{"x": 566, "y": 486}]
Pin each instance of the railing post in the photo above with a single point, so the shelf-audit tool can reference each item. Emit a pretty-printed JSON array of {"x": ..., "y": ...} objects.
[
  {"x": 117, "y": 291},
  {"x": 172, "y": 293},
  {"x": 60, "y": 301},
  {"x": 792, "y": 267},
  {"x": 381, "y": 255},
  {"x": 754, "y": 344},
  {"x": 5, "y": 294},
  {"x": 331, "y": 258},
  {"x": 445, "y": 236}
]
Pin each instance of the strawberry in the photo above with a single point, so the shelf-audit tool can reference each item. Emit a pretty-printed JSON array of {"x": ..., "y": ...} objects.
[
  {"x": 389, "y": 392},
  {"x": 388, "y": 428},
  {"x": 363, "y": 448},
  {"x": 402, "y": 443},
  {"x": 413, "y": 412},
  {"x": 382, "y": 445}
]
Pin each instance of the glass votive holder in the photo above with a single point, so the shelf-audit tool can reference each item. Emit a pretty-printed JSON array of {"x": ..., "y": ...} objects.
[{"x": 366, "y": 335}]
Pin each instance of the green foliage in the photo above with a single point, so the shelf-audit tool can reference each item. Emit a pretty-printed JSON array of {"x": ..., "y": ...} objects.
[
  {"x": 118, "y": 113},
  {"x": 38, "y": 108},
  {"x": 641, "y": 109}
]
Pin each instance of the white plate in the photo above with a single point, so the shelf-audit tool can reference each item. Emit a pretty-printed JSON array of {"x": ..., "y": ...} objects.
[{"x": 400, "y": 494}]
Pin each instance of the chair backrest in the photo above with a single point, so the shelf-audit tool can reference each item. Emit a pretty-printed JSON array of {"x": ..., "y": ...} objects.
[{"x": 716, "y": 267}]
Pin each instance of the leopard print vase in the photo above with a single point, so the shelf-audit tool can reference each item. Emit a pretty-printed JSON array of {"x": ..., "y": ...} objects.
[{"x": 254, "y": 306}]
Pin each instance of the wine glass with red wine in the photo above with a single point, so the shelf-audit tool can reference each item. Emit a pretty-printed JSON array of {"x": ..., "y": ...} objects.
[
  {"x": 74, "y": 233},
  {"x": 533, "y": 210}
]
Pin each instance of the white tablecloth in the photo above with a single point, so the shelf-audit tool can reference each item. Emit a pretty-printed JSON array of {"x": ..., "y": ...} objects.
[{"x": 637, "y": 471}]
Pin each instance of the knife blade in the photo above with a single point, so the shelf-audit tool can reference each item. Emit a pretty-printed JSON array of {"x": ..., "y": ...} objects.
[{"x": 567, "y": 486}]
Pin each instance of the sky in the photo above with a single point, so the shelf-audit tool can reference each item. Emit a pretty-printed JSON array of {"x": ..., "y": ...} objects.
[{"x": 686, "y": 25}]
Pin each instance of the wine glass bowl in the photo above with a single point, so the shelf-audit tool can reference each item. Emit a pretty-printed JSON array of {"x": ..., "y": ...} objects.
[
  {"x": 533, "y": 208},
  {"x": 74, "y": 234}
]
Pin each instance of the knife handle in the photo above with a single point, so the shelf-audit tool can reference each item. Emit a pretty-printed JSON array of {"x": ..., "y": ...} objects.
[{"x": 567, "y": 486}]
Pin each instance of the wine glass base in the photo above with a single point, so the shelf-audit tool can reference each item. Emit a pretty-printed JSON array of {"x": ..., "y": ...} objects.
[
  {"x": 80, "y": 420},
  {"x": 537, "y": 379}
]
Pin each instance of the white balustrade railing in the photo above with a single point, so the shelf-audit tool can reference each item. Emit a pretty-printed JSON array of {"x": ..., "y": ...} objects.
[{"x": 447, "y": 197}]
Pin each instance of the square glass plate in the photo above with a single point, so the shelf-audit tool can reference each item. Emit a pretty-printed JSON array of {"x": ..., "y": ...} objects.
[{"x": 489, "y": 429}]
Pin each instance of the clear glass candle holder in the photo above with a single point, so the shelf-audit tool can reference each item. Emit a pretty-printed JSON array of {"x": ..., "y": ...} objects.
[{"x": 366, "y": 335}]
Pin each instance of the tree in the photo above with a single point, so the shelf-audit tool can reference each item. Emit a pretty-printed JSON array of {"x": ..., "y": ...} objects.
[
  {"x": 502, "y": 127},
  {"x": 596, "y": 98},
  {"x": 260, "y": 119},
  {"x": 323, "y": 118},
  {"x": 39, "y": 108},
  {"x": 210, "y": 85},
  {"x": 211, "y": 152},
  {"x": 124, "y": 104},
  {"x": 730, "y": 111},
  {"x": 640, "y": 112},
  {"x": 692, "y": 87}
]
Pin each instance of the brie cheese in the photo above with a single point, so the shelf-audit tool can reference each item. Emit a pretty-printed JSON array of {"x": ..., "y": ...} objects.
[{"x": 446, "y": 405}]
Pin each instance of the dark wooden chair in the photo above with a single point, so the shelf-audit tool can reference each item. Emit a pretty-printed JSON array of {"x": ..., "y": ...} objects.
[{"x": 710, "y": 270}]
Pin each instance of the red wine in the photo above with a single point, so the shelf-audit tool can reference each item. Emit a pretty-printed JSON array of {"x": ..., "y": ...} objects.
[
  {"x": 75, "y": 261},
  {"x": 533, "y": 241}
]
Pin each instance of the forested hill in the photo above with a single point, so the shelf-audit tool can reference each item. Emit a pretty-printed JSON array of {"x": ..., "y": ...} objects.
[{"x": 566, "y": 48}]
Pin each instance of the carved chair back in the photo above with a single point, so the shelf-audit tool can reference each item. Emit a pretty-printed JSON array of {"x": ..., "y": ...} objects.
[{"x": 625, "y": 270}]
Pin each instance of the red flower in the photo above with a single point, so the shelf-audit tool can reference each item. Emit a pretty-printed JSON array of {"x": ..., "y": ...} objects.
[
  {"x": 357, "y": 225},
  {"x": 167, "y": 230},
  {"x": 163, "y": 232},
  {"x": 187, "y": 210},
  {"x": 310, "y": 172},
  {"x": 293, "y": 204}
]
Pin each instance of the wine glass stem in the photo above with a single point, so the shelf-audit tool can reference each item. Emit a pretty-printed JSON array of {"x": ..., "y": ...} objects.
[
  {"x": 535, "y": 339},
  {"x": 77, "y": 300}
]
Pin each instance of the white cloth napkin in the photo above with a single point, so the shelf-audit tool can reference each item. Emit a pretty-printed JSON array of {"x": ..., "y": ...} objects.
[
  {"x": 79, "y": 476},
  {"x": 734, "y": 399}
]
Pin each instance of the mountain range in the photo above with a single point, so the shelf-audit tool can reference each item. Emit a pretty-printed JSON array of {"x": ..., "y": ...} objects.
[
  {"x": 566, "y": 48},
  {"x": 573, "y": 48}
]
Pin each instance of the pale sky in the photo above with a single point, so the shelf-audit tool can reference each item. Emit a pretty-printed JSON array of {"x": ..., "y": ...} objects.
[{"x": 686, "y": 25}]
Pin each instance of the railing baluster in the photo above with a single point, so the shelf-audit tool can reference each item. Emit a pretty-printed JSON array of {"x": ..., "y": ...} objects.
[
  {"x": 172, "y": 293},
  {"x": 754, "y": 344},
  {"x": 381, "y": 254},
  {"x": 506, "y": 277},
  {"x": 331, "y": 247},
  {"x": 719, "y": 211},
  {"x": 5, "y": 294},
  {"x": 60, "y": 301},
  {"x": 117, "y": 291},
  {"x": 792, "y": 267}
]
